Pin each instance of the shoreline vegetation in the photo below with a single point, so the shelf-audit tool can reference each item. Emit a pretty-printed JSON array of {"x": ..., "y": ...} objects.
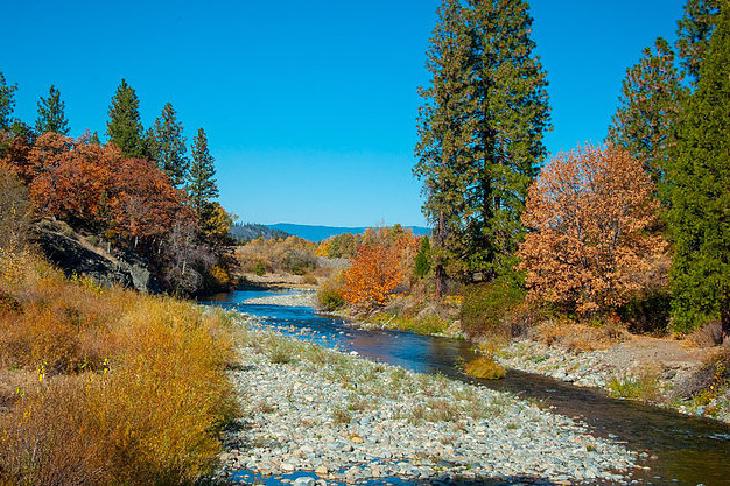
[{"x": 105, "y": 385}]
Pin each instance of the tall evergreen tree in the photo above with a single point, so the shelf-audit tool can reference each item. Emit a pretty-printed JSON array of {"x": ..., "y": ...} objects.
[
  {"x": 168, "y": 146},
  {"x": 510, "y": 114},
  {"x": 124, "y": 127},
  {"x": 648, "y": 108},
  {"x": 694, "y": 31},
  {"x": 443, "y": 146},
  {"x": 699, "y": 181},
  {"x": 7, "y": 102},
  {"x": 51, "y": 115},
  {"x": 203, "y": 187}
]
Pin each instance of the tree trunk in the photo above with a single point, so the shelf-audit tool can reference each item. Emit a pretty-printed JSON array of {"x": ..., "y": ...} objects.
[
  {"x": 725, "y": 319},
  {"x": 439, "y": 272}
]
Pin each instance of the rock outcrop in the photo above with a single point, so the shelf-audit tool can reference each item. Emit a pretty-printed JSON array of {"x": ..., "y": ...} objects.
[{"x": 75, "y": 254}]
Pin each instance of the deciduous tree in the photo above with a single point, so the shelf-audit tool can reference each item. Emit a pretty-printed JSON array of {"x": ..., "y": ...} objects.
[{"x": 588, "y": 214}]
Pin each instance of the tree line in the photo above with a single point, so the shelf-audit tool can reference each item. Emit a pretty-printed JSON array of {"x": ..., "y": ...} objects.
[
  {"x": 601, "y": 228},
  {"x": 140, "y": 189}
]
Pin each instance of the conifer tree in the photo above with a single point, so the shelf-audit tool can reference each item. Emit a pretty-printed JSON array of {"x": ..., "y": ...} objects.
[
  {"x": 202, "y": 187},
  {"x": 694, "y": 31},
  {"x": 648, "y": 108},
  {"x": 124, "y": 127},
  {"x": 699, "y": 183},
  {"x": 168, "y": 147},
  {"x": 442, "y": 149},
  {"x": 51, "y": 115},
  {"x": 510, "y": 113},
  {"x": 7, "y": 102}
]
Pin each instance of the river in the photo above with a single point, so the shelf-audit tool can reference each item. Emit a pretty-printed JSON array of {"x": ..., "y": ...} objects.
[{"x": 680, "y": 449}]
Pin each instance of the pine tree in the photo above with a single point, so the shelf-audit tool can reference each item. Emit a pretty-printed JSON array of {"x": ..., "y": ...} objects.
[
  {"x": 648, "y": 109},
  {"x": 7, "y": 102},
  {"x": 203, "y": 187},
  {"x": 510, "y": 113},
  {"x": 168, "y": 146},
  {"x": 694, "y": 31},
  {"x": 124, "y": 127},
  {"x": 422, "y": 261},
  {"x": 442, "y": 148},
  {"x": 51, "y": 115},
  {"x": 699, "y": 182}
]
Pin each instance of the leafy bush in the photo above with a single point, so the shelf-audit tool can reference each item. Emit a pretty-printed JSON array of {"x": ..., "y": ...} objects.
[
  {"x": 485, "y": 368},
  {"x": 15, "y": 209},
  {"x": 422, "y": 262},
  {"x": 488, "y": 309},
  {"x": 130, "y": 389}
]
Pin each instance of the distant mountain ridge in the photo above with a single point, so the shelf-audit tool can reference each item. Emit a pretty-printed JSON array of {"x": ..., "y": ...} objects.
[
  {"x": 319, "y": 233},
  {"x": 250, "y": 231}
]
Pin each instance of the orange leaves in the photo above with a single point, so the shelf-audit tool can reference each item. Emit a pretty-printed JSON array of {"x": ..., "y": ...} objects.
[
  {"x": 96, "y": 187},
  {"x": 381, "y": 264},
  {"x": 589, "y": 215}
]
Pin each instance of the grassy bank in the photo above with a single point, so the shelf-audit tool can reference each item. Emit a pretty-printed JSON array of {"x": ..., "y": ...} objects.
[{"x": 106, "y": 386}]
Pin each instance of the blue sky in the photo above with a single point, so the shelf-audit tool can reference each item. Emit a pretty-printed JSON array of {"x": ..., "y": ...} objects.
[{"x": 310, "y": 106}]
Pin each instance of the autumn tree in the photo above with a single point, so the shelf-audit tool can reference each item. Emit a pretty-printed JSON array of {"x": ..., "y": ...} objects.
[
  {"x": 70, "y": 180},
  {"x": 124, "y": 126},
  {"x": 15, "y": 209},
  {"x": 383, "y": 261},
  {"x": 51, "y": 114},
  {"x": 168, "y": 146},
  {"x": 202, "y": 188},
  {"x": 699, "y": 185},
  {"x": 648, "y": 109},
  {"x": 588, "y": 246},
  {"x": 694, "y": 31}
]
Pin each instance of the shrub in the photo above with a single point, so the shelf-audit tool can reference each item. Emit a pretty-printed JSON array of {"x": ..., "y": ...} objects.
[
  {"x": 131, "y": 389},
  {"x": 259, "y": 268},
  {"x": 309, "y": 279},
  {"x": 422, "y": 262},
  {"x": 329, "y": 294},
  {"x": 15, "y": 209},
  {"x": 488, "y": 308},
  {"x": 485, "y": 368}
]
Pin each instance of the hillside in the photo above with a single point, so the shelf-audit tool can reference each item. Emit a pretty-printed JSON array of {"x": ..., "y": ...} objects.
[{"x": 319, "y": 233}]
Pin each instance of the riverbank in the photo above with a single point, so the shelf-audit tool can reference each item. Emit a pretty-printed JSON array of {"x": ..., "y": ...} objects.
[
  {"x": 343, "y": 418},
  {"x": 662, "y": 372}
]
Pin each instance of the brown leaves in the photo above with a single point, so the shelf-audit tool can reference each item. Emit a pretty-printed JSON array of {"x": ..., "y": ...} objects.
[{"x": 589, "y": 214}]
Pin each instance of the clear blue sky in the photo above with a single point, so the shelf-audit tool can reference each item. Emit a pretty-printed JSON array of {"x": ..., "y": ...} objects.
[{"x": 310, "y": 106}]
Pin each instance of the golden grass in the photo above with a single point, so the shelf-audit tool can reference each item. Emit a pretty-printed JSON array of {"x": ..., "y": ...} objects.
[
  {"x": 484, "y": 368},
  {"x": 126, "y": 388},
  {"x": 580, "y": 337}
]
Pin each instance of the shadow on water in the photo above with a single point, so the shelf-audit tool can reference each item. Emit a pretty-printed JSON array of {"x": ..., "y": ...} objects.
[{"x": 688, "y": 450}]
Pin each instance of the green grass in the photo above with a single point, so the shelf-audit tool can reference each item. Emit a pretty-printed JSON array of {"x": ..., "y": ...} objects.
[{"x": 426, "y": 325}]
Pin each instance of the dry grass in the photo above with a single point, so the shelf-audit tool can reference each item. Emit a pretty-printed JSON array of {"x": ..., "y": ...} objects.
[
  {"x": 127, "y": 389},
  {"x": 484, "y": 368},
  {"x": 579, "y": 337}
]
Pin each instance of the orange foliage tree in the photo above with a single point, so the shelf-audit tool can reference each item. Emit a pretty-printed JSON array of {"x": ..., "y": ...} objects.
[
  {"x": 381, "y": 264},
  {"x": 589, "y": 214}
]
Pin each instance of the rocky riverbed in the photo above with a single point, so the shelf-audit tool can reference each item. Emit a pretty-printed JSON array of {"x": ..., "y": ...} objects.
[
  {"x": 344, "y": 418},
  {"x": 298, "y": 299}
]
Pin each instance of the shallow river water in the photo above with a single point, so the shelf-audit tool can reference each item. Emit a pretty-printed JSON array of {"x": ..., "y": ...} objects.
[{"x": 681, "y": 449}]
